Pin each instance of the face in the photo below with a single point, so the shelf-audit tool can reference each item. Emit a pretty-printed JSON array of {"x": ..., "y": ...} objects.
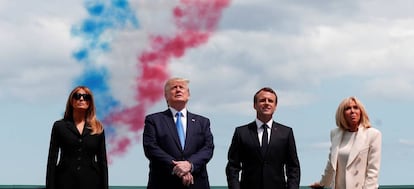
[
  {"x": 177, "y": 94},
  {"x": 80, "y": 100},
  {"x": 265, "y": 105},
  {"x": 352, "y": 115}
]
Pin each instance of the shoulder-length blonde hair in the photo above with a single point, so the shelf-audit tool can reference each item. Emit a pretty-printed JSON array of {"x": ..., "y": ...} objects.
[
  {"x": 340, "y": 113},
  {"x": 90, "y": 116}
]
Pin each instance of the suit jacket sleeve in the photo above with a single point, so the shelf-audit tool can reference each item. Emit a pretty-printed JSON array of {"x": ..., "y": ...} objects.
[
  {"x": 151, "y": 148},
  {"x": 202, "y": 156},
  {"x": 52, "y": 159},
  {"x": 374, "y": 159},
  {"x": 327, "y": 177},
  {"x": 102, "y": 161},
  {"x": 292, "y": 165},
  {"x": 234, "y": 164}
]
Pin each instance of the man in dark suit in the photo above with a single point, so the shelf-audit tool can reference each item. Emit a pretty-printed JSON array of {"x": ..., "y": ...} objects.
[
  {"x": 178, "y": 147},
  {"x": 263, "y": 150}
]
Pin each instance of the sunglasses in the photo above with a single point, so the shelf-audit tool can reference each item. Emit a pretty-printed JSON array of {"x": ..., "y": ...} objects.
[{"x": 78, "y": 96}]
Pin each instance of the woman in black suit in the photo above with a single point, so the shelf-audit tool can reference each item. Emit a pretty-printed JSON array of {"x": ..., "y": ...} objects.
[{"x": 80, "y": 138}]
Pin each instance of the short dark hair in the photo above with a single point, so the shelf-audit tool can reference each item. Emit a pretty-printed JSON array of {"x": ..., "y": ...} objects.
[{"x": 267, "y": 89}]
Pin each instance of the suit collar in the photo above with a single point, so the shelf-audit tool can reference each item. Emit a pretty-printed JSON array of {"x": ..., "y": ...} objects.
[
  {"x": 358, "y": 144},
  {"x": 191, "y": 127},
  {"x": 169, "y": 120},
  {"x": 191, "y": 123},
  {"x": 174, "y": 111},
  {"x": 254, "y": 135},
  {"x": 72, "y": 127},
  {"x": 336, "y": 140},
  {"x": 87, "y": 130},
  {"x": 260, "y": 123}
]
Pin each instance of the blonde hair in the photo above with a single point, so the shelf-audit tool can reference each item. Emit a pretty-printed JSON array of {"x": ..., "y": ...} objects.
[
  {"x": 90, "y": 118},
  {"x": 340, "y": 117}
]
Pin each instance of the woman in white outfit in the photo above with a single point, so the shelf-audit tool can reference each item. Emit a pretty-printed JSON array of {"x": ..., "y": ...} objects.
[{"x": 355, "y": 153}]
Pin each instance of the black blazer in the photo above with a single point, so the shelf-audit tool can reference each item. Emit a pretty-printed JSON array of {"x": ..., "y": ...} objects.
[
  {"x": 82, "y": 163},
  {"x": 258, "y": 171},
  {"x": 161, "y": 146}
]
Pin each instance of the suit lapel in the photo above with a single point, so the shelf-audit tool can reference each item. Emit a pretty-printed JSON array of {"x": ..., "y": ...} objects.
[
  {"x": 273, "y": 135},
  {"x": 336, "y": 140},
  {"x": 358, "y": 144},
  {"x": 190, "y": 129},
  {"x": 86, "y": 130},
  {"x": 72, "y": 128},
  {"x": 255, "y": 138},
  {"x": 169, "y": 120}
]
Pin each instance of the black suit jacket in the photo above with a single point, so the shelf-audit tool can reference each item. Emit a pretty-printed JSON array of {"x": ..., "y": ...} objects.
[
  {"x": 162, "y": 145},
  {"x": 258, "y": 171},
  {"x": 83, "y": 161}
]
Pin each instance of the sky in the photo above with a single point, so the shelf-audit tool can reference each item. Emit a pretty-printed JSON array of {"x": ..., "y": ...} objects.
[{"x": 313, "y": 53}]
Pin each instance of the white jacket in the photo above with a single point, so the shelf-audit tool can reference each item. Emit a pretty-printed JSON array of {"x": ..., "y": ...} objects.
[{"x": 362, "y": 168}]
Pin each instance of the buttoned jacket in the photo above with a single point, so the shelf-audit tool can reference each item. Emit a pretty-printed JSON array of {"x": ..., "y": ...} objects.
[
  {"x": 277, "y": 168},
  {"x": 363, "y": 164},
  {"x": 76, "y": 160},
  {"x": 162, "y": 145}
]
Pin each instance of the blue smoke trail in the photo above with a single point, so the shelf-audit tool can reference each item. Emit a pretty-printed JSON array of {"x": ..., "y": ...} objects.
[{"x": 105, "y": 17}]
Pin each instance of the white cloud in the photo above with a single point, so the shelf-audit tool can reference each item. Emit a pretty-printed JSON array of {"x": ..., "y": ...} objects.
[
  {"x": 359, "y": 47},
  {"x": 122, "y": 62},
  {"x": 259, "y": 58},
  {"x": 37, "y": 54},
  {"x": 390, "y": 87},
  {"x": 156, "y": 16}
]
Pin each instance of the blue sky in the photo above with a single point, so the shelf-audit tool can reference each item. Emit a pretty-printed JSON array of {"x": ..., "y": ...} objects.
[{"x": 313, "y": 53}]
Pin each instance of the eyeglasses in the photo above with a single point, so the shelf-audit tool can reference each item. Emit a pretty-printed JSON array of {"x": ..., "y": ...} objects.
[{"x": 78, "y": 96}]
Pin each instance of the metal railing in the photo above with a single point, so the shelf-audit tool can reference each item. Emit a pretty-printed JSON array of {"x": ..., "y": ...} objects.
[{"x": 213, "y": 187}]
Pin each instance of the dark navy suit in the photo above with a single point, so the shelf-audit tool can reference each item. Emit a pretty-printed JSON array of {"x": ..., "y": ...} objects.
[
  {"x": 263, "y": 171},
  {"x": 162, "y": 145}
]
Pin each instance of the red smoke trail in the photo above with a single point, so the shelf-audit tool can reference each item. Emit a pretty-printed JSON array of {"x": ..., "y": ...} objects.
[{"x": 195, "y": 20}]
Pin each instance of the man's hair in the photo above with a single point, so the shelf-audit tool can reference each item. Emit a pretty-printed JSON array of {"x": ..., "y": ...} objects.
[
  {"x": 169, "y": 81},
  {"x": 267, "y": 89}
]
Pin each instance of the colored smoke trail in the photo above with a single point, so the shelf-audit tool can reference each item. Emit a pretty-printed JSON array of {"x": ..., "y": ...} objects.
[
  {"x": 104, "y": 18},
  {"x": 195, "y": 21},
  {"x": 96, "y": 31}
]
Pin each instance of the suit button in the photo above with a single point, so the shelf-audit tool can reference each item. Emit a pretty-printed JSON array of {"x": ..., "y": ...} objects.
[
  {"x": 78, "y": 168},
  {"x": 80, "y": 140},
  {"x": 80, "y": 150},
  {"x": 79, "y": 158}
]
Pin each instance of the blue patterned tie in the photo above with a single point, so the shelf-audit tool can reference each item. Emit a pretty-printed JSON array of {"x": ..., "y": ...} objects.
[{"x": 180, "y": 129}]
